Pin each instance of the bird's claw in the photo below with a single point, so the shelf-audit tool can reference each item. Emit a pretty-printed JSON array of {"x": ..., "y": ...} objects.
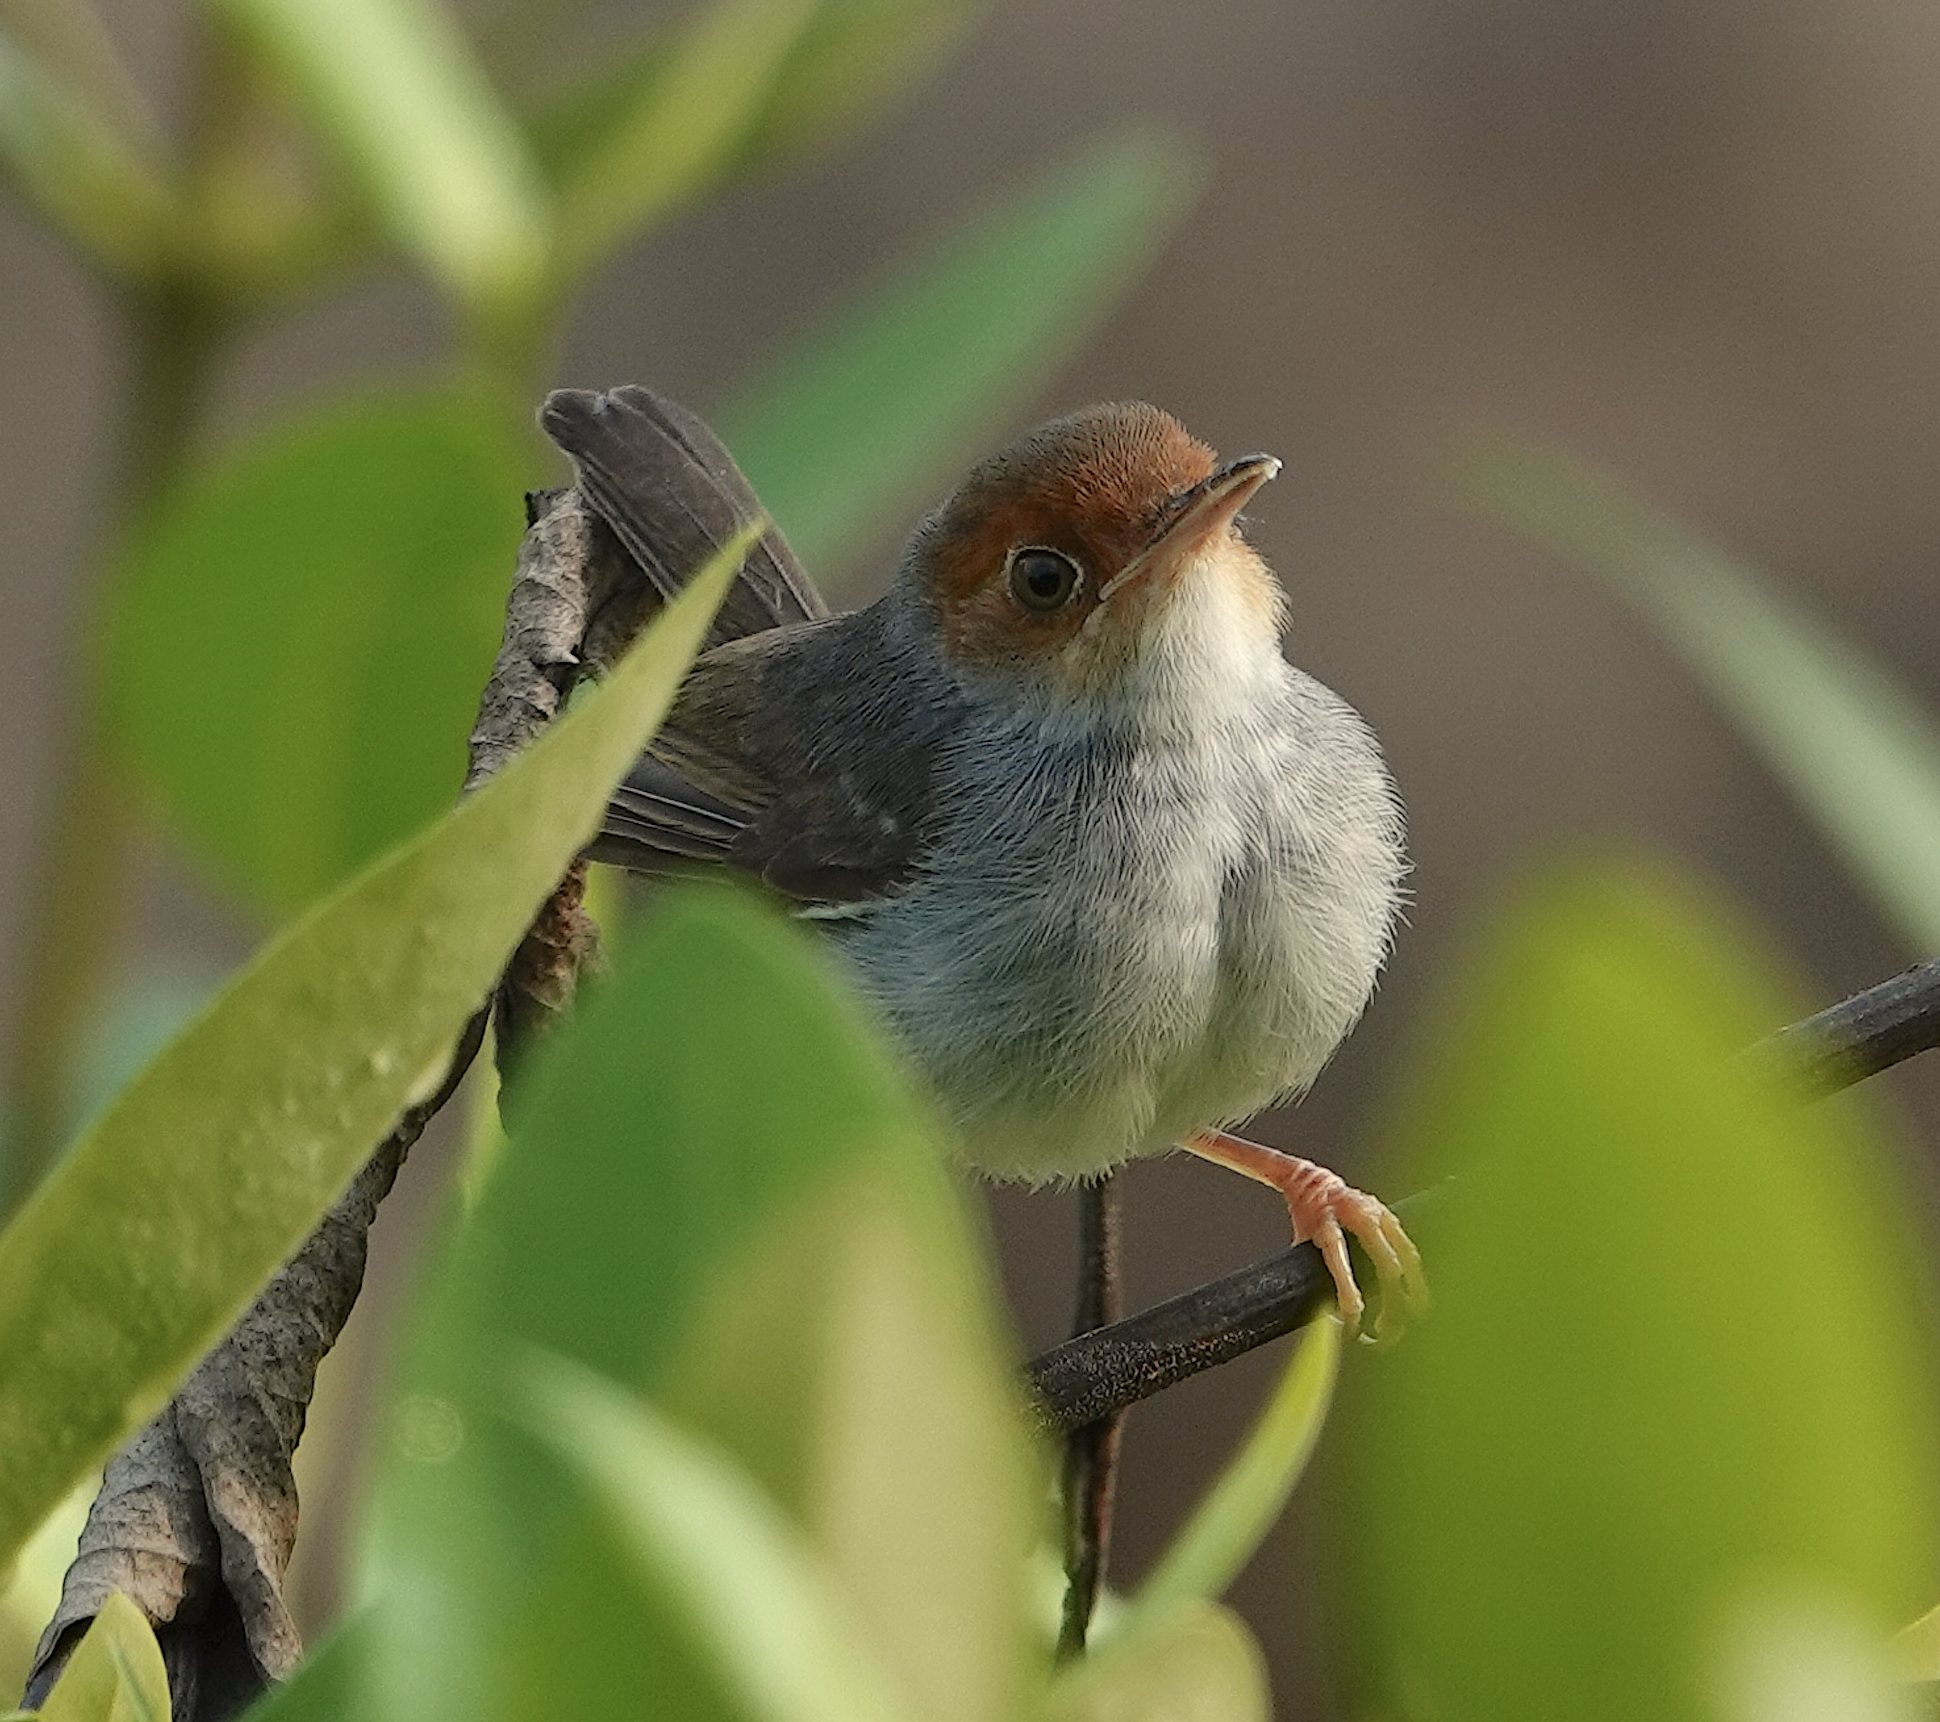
[{"x": 1326, "y": 1210}]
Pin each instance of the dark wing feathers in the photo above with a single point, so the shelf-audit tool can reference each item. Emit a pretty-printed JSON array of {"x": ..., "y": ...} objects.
[
  {"x": 792, "y": 753},
  {"x": 673, "y": 496}
]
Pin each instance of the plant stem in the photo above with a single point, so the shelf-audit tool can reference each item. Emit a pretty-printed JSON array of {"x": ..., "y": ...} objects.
[{"x": 170, "y": 332}]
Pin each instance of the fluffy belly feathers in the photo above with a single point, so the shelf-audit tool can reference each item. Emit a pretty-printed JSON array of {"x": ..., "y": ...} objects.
[{"x": 1171, "y": 952}]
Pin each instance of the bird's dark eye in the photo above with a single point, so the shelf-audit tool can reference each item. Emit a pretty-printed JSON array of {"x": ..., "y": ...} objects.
[{"x": 1043, "y": 580}]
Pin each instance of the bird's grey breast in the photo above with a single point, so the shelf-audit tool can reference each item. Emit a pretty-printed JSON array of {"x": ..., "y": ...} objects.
[{"x": 1123, "y": 934}]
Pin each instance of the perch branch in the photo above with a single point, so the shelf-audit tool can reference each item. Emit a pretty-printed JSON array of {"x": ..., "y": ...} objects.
[{"x": 1094, "y": 1374}]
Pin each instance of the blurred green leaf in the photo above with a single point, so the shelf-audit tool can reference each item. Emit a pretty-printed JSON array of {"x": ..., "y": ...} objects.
[
  {"x": 1861, "y": 755},
  {"x": 670, "y": 133},
  {"x": 1193, "y": 1663},
  {"x": 846, "y": 1359},
  {"x": 1676, "y": 1356},
  {"x": 393, "y": 85},
  {"x": 84, "y": 174},
  {"x": 70, "y": 38},
  {"x": 838, "y": 66},
  {"x": 853, "y": 59},
  {"x": 33, "y": 1588},
  {"x": 700, "y": 1531},
  {"x": 1800, "y": 1657},
  {"x": 1916, "y": 1648},
  {"x": 297, "y": 644},
  {"x": 151, "y": 1236},
  {"x": 694, "y": 1188},
  {"x": 879, "y": 403},
  {"x": 115, "y": 1673},
  {"x": 1227, "y": 1527}
]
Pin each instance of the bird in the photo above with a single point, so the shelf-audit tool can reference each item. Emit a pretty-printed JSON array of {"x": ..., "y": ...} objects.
[{"x": 1113, "y": 874}]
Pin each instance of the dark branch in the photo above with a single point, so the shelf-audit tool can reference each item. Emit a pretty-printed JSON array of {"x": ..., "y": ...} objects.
[
  {"x": 1867, "y": 1033},
  {"x": 1091, "y": 1450},
  {"x": 1094, "y": 1374}
]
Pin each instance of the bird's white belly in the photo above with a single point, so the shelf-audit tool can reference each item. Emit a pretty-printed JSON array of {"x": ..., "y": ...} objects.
[{"x": 1151, "y": 944}]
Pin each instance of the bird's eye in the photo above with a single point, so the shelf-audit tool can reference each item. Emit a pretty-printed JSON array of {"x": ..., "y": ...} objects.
[{"x": 1042, "y": 580}]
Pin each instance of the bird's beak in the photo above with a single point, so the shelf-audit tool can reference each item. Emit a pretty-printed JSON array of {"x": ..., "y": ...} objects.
[{"x": 1195, "y": 518}]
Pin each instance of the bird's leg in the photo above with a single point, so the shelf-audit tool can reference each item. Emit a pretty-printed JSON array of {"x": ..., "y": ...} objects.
[{"x": 1324, "y": 1207}]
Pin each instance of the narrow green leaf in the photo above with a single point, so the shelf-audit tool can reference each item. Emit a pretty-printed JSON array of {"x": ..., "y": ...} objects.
[
  {"x": 703, "y": 1533},
  {"x": 1194, "y": 1663},
  {"x": 115, "y": 1673},
  {"x": 1859, "y": 752},
  {"x": 394, "y": 87},
  {"x": 78, "y": 168},
  {"x": 164, "y": 1219},
  {"x": 678, "y": 127},
  {"x": 1226, "y": 1528},
  {"x": 1677, "y": 1355},
  {"x": 882, "y": 401},
  {"x": 295, "y": 646}
]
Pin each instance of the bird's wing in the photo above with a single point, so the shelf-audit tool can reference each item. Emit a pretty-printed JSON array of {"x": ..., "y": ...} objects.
[
  {"x": 673, "y": 496},
  {"x": 796, "y": 756}
]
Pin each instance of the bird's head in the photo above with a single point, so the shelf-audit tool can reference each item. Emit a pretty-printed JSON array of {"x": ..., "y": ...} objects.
[{"x": 1071, "y": 560}]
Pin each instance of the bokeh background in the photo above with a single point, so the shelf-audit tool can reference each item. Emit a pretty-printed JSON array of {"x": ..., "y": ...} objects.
[{"x": 1697, "y": 241}]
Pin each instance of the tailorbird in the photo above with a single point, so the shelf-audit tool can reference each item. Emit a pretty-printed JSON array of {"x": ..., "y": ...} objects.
[{"x": 1113, "y": 872}]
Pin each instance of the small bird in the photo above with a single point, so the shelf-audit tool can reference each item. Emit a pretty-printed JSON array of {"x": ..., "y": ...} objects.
[{"x": 1113, "y": 872}]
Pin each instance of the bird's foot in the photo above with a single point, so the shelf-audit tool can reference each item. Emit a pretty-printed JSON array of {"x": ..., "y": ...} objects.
[{"x": 1325, "y": 1207}]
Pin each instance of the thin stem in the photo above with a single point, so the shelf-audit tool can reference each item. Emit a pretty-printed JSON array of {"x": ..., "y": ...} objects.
[
  {"x": 79, "y": 900},
  {"x": 1091, "y": 1452}
]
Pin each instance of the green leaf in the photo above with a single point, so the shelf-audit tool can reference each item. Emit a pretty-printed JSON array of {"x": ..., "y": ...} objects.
[
  {"x": 882, "y": 401},
  {"x": 1227, "y": 1527},
  {"x": 802, "y": 81},
  {"x": 393, "y": 85},
  {"x": 702, "y": 1532},
  {"x": 845, "y": 1358},
  {"x": 1193, "y": 1663},
  {"x": 115, "y": 1673},
  {"x": 1800, "y": 1657},
  {"x": 1916, "y": 1648},
  {"x": 1676, "y": 1355},
  {"x": 152, "y": 1235},
  {"x": 1859, "y": 752},
  {"x": 296, "y": 645},
  {"x": 675, "y": 129},
  {"x": 853, "y": 59},
  {"x": 717, "y": 1190},
  {"x": 83, "y": 173}
]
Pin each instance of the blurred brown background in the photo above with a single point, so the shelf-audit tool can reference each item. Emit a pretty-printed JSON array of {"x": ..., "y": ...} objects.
[{"x": 1697, "y": 240}]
